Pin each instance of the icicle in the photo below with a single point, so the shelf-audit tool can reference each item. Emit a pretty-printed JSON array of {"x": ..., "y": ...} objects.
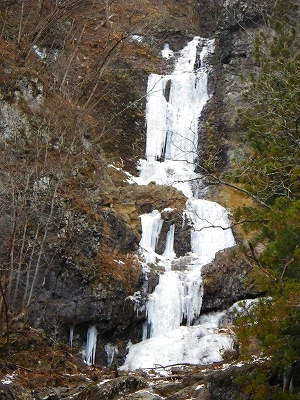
[
  {"x": 193, "y": 293},
  {"x": 91, "y": 341},
  {"x": 151, "y": 226},
  {"x": 110, "y": 351},
  {"x": 71, "y": 333},
  {"x": 169, "y": 250}
]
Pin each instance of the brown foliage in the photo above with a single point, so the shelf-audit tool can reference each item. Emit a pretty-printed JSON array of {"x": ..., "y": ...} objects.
[{"x": 119, "y": 268}]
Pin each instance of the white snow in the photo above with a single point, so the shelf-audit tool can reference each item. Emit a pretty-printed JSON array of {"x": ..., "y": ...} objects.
[
  {"x": 137, "y": 38},
  {"x": 167, "y": 52},
  {"x": 213, "y": 320},
  {"x": 119, "y": 262},
  {"x": 244, "y": 307},
  {"x": 169, "y": 173},
  {"x": 7, "y": 379},
  {"x": 40, "y": 51}
]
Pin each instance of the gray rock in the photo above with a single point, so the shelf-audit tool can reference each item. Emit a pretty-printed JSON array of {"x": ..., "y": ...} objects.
[
  {"x": 168, "y": 388},
  {"x": 143, "y": 395},
  {"x": 12, "y": 391},
  {"x": 226, "y": 280},
  {"x": 202, "y": 394},
  {"x": 114, "y": 388}
]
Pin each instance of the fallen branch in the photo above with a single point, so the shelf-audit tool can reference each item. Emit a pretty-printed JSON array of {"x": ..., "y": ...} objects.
[
  {"x": 17, "y": 366},
  {"x": 231, "y": 225}
]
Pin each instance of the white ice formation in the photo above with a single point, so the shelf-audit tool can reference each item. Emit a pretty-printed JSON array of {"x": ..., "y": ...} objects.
[
  {"x": 174, "y": 106},
  {"x": 91, "y": 342}
]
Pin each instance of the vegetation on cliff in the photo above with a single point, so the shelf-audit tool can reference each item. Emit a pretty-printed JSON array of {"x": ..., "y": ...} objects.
[
  {"x": 272, "y": 175},
  {"x": 72, "y": 92},
  {"x": 73, "y": 78}
]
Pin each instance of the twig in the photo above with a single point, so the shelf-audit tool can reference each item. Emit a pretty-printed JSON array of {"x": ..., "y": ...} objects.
[{"x": 15, "y": 366}]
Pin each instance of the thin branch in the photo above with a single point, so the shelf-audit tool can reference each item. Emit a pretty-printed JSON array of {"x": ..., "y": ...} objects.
[
  {"x": 159, "y": 366},
  {"x": 6, "y": 312},
  {"x": 255, "y": 198},
  {"x": 246, "y": 221},
  {"x": 285, "y": 268},
  {"x": 257, "y": 262},
  {"x": 102, "y": 67},
  {"x": 296, "y": 124}
]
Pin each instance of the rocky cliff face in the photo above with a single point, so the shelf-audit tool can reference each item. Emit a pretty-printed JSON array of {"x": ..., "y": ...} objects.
[
  {"x": 238, "y": 24},
  {"x": 85, "y": 266}
]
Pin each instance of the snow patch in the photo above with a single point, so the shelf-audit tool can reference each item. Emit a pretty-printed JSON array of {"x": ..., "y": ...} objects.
[{"x": 167, "y": 52}]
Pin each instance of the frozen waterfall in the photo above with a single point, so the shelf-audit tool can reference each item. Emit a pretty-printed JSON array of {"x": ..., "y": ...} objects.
[
  {"x": 172, "y": 115},
  {"x": 174, "y": 105}
]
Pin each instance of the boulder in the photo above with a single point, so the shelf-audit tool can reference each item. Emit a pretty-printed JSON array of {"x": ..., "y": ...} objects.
[
  {"x": 229, "y": 278},
  {"x": 12, "y": 391},
  {"x": 114, "y": 389}
]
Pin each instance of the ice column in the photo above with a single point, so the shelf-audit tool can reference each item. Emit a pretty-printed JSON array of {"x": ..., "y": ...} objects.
[
  {"x": 151, "y": 226},
  {"x": 164, "y": 306},
  {"x": 71, "y": 333},
  {"x": 169, "y": 250},
  {"x": 110, "y": 351},
  {"x": 91, "y": 341}
]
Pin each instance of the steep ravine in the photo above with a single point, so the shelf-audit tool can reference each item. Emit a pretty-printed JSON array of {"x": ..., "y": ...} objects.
[{"x": 94, "y": 269}]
